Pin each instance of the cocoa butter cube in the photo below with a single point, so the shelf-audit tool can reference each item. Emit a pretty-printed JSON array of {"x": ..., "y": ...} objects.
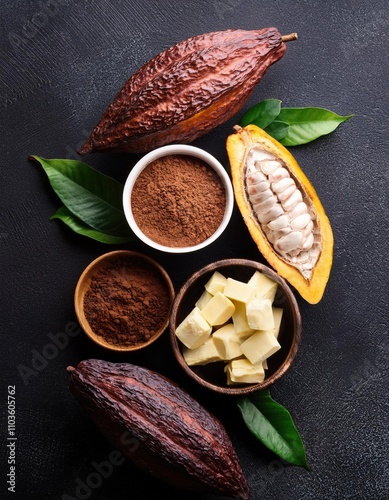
[
  {"x": 216, "y": 283},
  {"x": 242, "y": 371},
  {"x": 260, "y": 346},
  {"x": 277, "y": 315},
  {"x": 218, "y": 310},
  {"x": 239, "y": 291},
  {"x": 194, "y": 330},
  {"x": 203, "y": 299},
  {"x": 260, "y": 314},
  {"x": 239, "y": 319},
  {"x": 227, "y": 343},
  {"x": 202, "y": 355},
  {"x": 265, "y": 286}
]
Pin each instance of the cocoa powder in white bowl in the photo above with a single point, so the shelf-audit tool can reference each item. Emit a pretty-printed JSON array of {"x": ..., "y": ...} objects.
[{"x": 178, "y": 199}]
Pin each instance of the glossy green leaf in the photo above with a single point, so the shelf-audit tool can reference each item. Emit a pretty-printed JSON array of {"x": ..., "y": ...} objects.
[
  {"x": 79, "y": 227},
  {"x": 307, "y": 124},
  {"x": 93, "y": 197},
  {"x": 273, "y": 425},
  {"x": 262, "y": 114},
  {"x": 277, "y": 129}
]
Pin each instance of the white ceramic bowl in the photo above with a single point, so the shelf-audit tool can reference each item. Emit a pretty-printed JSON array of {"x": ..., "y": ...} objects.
[{"x": 177, "y": 149}]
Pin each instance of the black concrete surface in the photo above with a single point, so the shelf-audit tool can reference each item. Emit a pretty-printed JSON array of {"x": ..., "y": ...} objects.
[{"x": 61, "y": 63}]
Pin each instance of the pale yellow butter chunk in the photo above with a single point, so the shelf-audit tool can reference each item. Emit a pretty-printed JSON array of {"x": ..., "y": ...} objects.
[
  {"x": 260, "y": 314},
  {"x": 202, "y": 355},
  {"x": 216, "y": 283},
  {"x": 203, "y": 299},
  {"x": 241, "y": 371},
  {"x": 277, "y": 315},
  {"x": 194, "y": 330},
  {"x": 266, "y": 288},
  {"x": 260, "y": 346},
  {"x": 239, "y": 319},
  {"x": 218, "y": 310},
  {"x": 239, "y": 291},
  {"x": 265, "y": 365},
  {"x": 226, "y": 342}
]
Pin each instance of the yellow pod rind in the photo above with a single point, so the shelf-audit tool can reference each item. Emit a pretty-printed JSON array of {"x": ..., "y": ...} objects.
[{"x": 238, "y": 145}]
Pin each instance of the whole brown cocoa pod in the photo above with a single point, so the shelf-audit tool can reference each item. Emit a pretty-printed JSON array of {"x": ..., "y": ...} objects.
[
  {"x": 158, "y": 426},
  {"x": 187, "y": 90}
]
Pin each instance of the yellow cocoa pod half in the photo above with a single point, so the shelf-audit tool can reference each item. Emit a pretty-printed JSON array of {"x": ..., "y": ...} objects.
[{"x": 281, "y": 210}]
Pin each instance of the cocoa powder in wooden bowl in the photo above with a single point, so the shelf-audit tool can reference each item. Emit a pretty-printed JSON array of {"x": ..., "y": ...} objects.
[
  {"x": 212, "y": 375},
  {"x": 123, "y": 300}
]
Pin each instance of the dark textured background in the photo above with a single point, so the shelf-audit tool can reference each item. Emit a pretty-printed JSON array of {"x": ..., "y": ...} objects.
[{"x": 62, "y": 62}]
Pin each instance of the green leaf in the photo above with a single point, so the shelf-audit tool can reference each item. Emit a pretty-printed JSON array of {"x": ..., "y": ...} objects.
[
  {"x": 262, "y": 114},
  {"x": 273, "y": 425},
  {"x": 307, "y": 124},
  {"x": 79, "y": 227},
  {"x": 95, "y": 198},
  {"x": 277, "y": 129}
]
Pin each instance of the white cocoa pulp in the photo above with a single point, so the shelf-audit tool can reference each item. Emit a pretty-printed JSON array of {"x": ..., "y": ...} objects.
[{"x": 284, "y": 212}]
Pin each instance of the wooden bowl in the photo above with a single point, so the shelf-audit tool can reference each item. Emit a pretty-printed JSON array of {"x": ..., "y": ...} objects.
[
  {"x": 84, "y": 283},
  {"x": 212, "y": 375}
]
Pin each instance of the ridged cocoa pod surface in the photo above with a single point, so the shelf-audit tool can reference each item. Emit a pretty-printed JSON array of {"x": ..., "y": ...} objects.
[
  {"x": 158, "y": 426},
  {"x": 187, "y": 90}
]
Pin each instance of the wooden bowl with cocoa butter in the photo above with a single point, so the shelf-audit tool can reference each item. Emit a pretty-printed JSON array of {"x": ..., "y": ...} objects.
[
  {"x": 123, "y": 300},
  {"x": 235, "y": 327}
]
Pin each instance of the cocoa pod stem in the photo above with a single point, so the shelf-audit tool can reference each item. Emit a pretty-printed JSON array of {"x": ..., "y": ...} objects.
[{"x": 290, "y": 37}]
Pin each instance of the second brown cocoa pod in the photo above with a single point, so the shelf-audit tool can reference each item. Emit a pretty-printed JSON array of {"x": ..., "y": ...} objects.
[
  {"x": 159, "y": 427},
  {"x": 187, "y": 90}
]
